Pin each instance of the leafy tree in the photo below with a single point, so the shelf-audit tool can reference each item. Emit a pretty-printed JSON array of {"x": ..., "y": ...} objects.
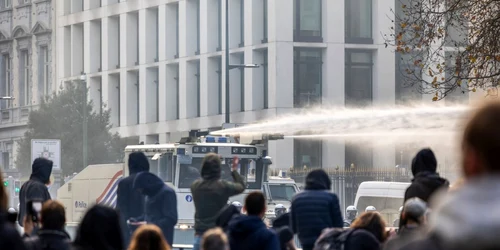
[
  {"x": 448, "y": 46},
  {"x": 61, "y": 117}
]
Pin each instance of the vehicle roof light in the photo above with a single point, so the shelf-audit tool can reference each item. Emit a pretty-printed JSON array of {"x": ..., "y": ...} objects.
[
  {"x": 209, "y": 139},
  {"x": 222, "y": 140}
]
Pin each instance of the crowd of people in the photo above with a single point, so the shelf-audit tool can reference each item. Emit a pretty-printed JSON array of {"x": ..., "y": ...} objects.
[{"x": 433, "y": 215}]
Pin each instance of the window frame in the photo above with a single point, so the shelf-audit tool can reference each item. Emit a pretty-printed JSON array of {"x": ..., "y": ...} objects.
[
  {"x": 296, "y": 75},
  {"x": 297, "y": 36},
  {"x": 265, "y": 68},
  {"x": 7, "y": 68},
  {"x": 297, "y": 156},
  {"x": 348, "y": 25},
  {"x": 242, "y": 24},
  {"x": 348, "y": 66},
  {"x": 265, "y": 27}
]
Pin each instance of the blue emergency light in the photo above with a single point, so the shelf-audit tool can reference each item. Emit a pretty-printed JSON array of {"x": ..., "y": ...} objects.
[
  {"x": 222, "y": 140},
  {"x": 210, "y": 139}
]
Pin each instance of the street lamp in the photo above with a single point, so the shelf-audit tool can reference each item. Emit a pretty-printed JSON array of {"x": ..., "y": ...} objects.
[
  {"x": 234, "y": 66},
  {"x": 83, "y": 79}
]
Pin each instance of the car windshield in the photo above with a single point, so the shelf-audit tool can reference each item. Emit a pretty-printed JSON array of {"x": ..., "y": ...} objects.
[
  {"x": 388, "y": 207},
  {"x": 282, "y": 192}
]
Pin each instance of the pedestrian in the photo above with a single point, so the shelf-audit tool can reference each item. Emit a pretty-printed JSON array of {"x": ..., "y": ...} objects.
[
  {"x": 130, "y": 202},
  {"x": 161, "y": 204},
  {"x": 99, "y": 230},
  {"x": 412, "y": 227},
  {"x": 148, "y": 237},
  {"x": 214, "y": 239},
  {"x": 426, "y": 181},
  {"x": 211, "y": 194},
  {"x": 249, "y": 232},
  {"x": 466, "y": 218},
  {"x": 52, "y": 235},
  {"x": 37, "y": 186},
  {"x": 368, "y": 232},
  {"x": 9, "y": 236},
  {"x": 315, "y": 209}
]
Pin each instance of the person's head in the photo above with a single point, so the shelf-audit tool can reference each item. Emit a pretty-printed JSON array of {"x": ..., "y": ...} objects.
[
  {"x": 4, "y": 198},
  {"x": 100, "y": 229},
  {"x": 41, "y": 170},
  {"x": 279, "y": 210},
  {"x": 53, "y": 216},
  {"x": 372, "y": 222},
  {"x": 351, "y": 212},
  {"x": 148, "y": 183},
  {"x": 149, "y": 237},
  {"x": 318, "y": 179},
  {"x": 414, "y": 212},
  {"x": 211, "y": 167},
  {"x": 137, "y": 162},
  {"x": 481, "y": 142},
  {"x": 424, "y": 161},
  {"x": 255, "y": 204},
  {"x": 214, "y": 239}
]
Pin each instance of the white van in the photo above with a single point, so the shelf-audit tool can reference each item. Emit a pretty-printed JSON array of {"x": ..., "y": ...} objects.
[{"x": 386, "y": 197}]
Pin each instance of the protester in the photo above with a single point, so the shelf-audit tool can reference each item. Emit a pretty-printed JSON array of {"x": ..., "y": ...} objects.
[
  {"x": 368, "y": 232},
  {"x": 226, "y": 215},
  {"x": 412, "y": 225},
  {"x": 426, "y": 180},
  {"x": 52, "y": 235},
  {"x": 211, "y": 194},
  {"x": 315, "y": 209},
  {"x": 250, "y": 232},
  {"x": 36, "y": 188},
  {"x": 467, "y": 218},
  {"x": 130, "y": 202},
  {"x": 214, "y": 239},
  {"x": 99, "y": 230},
  {"x": 161, "y": 203},
  {"x": 148, "y": 237},
  {"x": 9, "y": 237}
]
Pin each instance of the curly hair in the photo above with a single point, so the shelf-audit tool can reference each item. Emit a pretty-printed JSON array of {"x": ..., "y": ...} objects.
[{"x": 372, "y": 222}]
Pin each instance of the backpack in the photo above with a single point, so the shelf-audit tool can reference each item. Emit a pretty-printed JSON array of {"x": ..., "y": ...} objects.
[{"x": 333, "y": 239}]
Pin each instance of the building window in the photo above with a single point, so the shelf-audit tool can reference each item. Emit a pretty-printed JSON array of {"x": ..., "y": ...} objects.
[
  {"x": 219, "y": 75},
  {"x": 6, "y": 160},
  {"x": 8, "y": 4},
  {"x": 138, "y": 96},
  {"x": 308, "y": 153},
  {"x": 359, "y": 156},
  {"x": 266, "y": 80},
  {"x": 119, "y": 100},
  {"x": 407, "y": 89},
  {"x": 265, "y": 28},
  {"x": 44, "y": 87},
  {"x": 307, "y": 24},
  {"x": 178, "y": 93},
  {"x": 307, "y": 77},
  {"x": 242, "y": 23},
  {"x": 157, "y": 86},
  {"x": 219, "y": 25},
  {"x": 24, "y": 72},
  {"x": 198, "y": 90},
  {"x": 460, "y": 95},
  {"x": 242, "y": 83},
  {"x": 6, "y": 83},
  {"x": 358, "y": 78},
  {"x": 198, "y": 13},
  {"x": 358, "y": 21},
  {"x": 177, "y": 32}
]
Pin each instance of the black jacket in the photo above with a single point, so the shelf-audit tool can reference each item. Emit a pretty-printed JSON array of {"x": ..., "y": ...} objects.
[
  {"x": 49, "y": 240},
  {"x": 130, "y": 202},
  {"x": 250, "y": 232},
  {"x": 210, "y": 195},
  {"x": 405, "y": 236},
  {"x": 9, "y": 236},
  {"x": 426, "y": 181},
  {"x": 99, "y": 230},
  {"x": 361, "y": 239},
  {"x": 161, "y": 203},
  {"x": 36, "y": 187},
  {"x": 315, "y": 209}
]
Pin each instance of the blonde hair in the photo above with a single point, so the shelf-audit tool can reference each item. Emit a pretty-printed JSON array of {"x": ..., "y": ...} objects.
[
  {"x": 148, "y": 237},
  {"x": 214, "y": 239}
]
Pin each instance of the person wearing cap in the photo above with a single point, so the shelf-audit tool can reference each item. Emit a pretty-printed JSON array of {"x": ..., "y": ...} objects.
[{"x": 412, "y": 224}]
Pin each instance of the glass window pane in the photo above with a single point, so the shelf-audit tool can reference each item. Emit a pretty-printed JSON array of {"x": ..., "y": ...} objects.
[
  {"x": 307, "y": 77},
  {"x": 310, "y": 18},
  {"x": 359, "y": 18},
  {"x": 358, "y": 85}
]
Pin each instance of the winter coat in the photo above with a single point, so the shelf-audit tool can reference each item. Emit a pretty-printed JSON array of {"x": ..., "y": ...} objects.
[
  {"x": 405, "y": 236},
  {"x": 426, "y": 181},
  {"x": 250, "y": 232},
  {"x": 361, "y": 239},
  {"x": 225, "y": 216},
  {"x": 211, "y": 194},
  {"x": 9, "y": 236},
  {"x": 315, "y": 209},
  {"x": 161, "y": 203},
  {"x": 130, "y": 202},
  {"x": 35, "y": 188},
  {"x": 282, "y": 221},
  {"x": 99, "y": 230},
  {"x": 49, "y": 240}
]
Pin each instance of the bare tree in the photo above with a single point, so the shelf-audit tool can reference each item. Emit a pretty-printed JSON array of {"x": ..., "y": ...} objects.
[{"x": 447, "y": 46}]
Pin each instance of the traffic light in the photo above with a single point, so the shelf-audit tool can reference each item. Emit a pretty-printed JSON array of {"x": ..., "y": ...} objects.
[
  {"x": 17, "y": 187},
  {"x": 6, "y": 183}
]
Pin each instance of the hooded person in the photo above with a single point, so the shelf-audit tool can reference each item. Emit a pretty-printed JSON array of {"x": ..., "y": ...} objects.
[
  {"x": 425, "y": 178},
  {"x": 36, "y": 188},
  {"x": 211, "y": 194},
  {"x": 99, "y": 230},
  {"x": 161, "y": 203},
  {"x": 130, "y": 202},
  {"x": 315, "y": 209},
  {"x": 412, "y": 225}
]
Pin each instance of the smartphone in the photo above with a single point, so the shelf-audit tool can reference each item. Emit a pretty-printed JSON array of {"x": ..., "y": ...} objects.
[{"x": 33, "y": 209}]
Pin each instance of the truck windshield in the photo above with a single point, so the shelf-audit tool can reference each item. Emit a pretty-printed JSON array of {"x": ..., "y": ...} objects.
[
  {"x": 388, "y": 207},
  {"x": 163, "y": 167},
  {"x": 247, "y": 168},
  {"x": 282, "y": 192}
]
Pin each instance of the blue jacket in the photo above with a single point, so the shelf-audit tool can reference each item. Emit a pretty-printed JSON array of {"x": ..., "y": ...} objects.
[
  {"x": 315, "y": 209},
  {"x": 250, "y": 232}
]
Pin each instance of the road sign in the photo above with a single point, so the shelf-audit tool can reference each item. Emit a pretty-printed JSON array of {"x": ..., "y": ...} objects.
[{"x": 46, "y": 148}]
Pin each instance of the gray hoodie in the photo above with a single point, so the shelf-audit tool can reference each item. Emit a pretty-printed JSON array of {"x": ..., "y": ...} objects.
[{"x": 468, "y": 218}]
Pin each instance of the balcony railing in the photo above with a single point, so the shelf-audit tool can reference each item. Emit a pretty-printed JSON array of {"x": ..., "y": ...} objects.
[{"x": 16, "y": 115}]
